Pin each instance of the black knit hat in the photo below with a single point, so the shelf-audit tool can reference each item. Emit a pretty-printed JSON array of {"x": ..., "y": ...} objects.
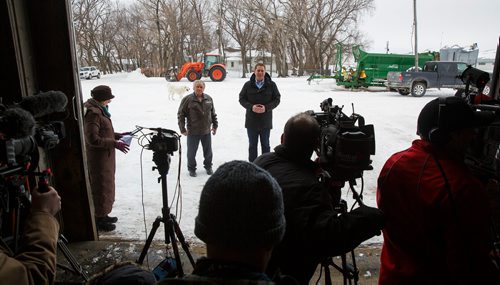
[
  {"x": 241, "y": 206},
  {"x": 450, "y": 114},
  {"x": 101, "y": 93}
]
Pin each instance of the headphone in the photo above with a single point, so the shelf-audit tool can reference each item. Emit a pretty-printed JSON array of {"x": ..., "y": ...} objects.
[{"x": 437, "y": 135}]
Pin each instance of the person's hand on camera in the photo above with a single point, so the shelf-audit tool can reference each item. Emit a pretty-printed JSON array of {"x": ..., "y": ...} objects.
[
  {"x": 373, "y": 216},
  {"x": 121, "y": 146},
  {"x": 214, "y": 131},
  {"x": 48, "y": 202},
  {"x": 184, "y": 133}
]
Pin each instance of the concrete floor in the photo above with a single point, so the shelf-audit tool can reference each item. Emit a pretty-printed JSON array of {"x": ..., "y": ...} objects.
[{"x": 96, "y": 256}]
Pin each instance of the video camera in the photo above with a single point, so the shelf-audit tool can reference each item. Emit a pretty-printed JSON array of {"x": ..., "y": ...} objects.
[
  {"x": 481, "y": 92},
  {"x": 162, "y": 142},
  {"x": 21, "y": 134},
  {"x": 345, "y": 147},
  {"x": 20, "y": 137}
]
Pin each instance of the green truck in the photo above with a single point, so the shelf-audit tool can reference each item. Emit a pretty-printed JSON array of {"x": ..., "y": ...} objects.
[{"x": 372, "y": 68}]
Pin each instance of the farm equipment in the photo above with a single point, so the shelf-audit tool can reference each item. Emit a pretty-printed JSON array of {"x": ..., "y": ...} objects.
[
  {"x": 372, "y": 68},
  {"x": 212, "y": 66}
]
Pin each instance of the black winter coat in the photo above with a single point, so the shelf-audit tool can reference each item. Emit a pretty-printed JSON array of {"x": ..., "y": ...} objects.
[
  {"x": 314, "y": 230},
  {"x": 268, "y": 95}
]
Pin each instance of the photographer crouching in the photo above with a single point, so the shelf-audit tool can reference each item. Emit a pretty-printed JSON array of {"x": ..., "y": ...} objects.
[{"x": 315, "y": 230}]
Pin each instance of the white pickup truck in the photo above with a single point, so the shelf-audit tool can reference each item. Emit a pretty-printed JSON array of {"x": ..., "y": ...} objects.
[{"x": 88, "y": 72}]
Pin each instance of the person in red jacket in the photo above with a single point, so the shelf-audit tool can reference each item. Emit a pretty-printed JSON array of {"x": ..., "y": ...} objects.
[{"x": 437, "y": 228}]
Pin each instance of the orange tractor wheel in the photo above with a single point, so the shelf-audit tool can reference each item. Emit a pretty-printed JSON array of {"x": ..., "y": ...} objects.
[
  {"x": 192, "y": 75},
  {"x": 217, "y": 73}
]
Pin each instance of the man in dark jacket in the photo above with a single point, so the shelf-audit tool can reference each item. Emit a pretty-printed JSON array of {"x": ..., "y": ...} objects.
[
  {"x": 259, "y": 96},
  {"x": 199, "y": 112},
  {"x": 314, "y": 229},
  {"x": 101, "y": 141},
  {"x": 437, "y": 215}
]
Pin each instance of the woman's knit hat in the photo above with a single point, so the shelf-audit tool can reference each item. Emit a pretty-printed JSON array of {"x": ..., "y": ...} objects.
[
  {"x": 102, "y": 93},
  {"x": 241, "y": 206}
]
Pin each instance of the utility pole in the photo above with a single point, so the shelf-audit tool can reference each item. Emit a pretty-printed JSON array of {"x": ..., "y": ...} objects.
[{"x": 415, "y": 27}]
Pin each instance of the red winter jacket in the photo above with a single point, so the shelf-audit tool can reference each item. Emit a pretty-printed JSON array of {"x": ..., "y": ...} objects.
[{"x": 430, "y": 236}]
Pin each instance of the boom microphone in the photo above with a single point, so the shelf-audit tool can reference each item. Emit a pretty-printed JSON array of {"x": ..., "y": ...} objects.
[
  {"x": 17, "y": 123},
  {"x": 44, "y": 103}
]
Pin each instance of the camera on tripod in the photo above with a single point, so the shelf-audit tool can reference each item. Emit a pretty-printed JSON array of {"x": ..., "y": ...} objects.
[
  {"x": 164, "y": 141},
  {"x": 345, "y": 147}
]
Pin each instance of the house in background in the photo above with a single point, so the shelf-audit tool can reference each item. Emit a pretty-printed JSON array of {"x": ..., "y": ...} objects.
[{"x": 234, "y": 63}]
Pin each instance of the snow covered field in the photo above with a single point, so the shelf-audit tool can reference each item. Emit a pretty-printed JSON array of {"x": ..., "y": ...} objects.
[{"x": 144, "y": 101}]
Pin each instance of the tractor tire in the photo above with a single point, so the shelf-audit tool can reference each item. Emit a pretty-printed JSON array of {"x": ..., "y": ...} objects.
[
  {"x": 193, "y": 75},
  {"x": 404, "y": 92},
  {"x": 418, "y": 89},
  {"x": 217, "y": 73}
]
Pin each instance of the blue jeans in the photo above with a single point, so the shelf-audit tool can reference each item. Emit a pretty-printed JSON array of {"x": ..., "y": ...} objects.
[
  {"x": 192, "y": 147},
  {"x": 253, "y": 139}
]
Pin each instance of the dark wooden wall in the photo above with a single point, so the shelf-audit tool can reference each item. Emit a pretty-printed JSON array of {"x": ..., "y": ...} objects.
[{"x": 37, "y": 53}]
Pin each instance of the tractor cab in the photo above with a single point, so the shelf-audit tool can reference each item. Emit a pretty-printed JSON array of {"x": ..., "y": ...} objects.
[{"x": 211, "y": 59}]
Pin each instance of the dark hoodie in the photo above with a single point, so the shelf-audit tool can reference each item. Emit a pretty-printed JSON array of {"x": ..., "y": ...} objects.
[{"x": 268, "y": 95}]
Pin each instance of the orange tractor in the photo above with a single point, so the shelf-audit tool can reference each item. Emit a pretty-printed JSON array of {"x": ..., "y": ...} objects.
[{"x": 211, "y": 66}]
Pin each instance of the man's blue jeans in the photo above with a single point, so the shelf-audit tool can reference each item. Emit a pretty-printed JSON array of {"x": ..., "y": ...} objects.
[
  {"x": 253, "y": 139},
  {"x": 192, "y": 147}
]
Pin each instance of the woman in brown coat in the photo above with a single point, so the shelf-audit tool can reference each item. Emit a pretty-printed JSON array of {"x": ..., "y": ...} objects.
[{"x": 101, "y": 141}]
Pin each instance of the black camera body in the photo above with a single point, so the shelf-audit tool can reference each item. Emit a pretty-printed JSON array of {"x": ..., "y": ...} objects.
[
  {"x": 164, "y": 141},
  {"x": 14, "y": 152},
  {"x": 346, "y": 143}
]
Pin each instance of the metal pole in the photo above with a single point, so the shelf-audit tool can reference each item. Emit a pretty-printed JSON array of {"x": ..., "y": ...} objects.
[{"x": 415, "y": 26}]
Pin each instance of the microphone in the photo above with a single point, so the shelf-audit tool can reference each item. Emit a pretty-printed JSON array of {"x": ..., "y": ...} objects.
[
  {"x": 17, "y": 123},
  {"x": 44, "y": 103}
]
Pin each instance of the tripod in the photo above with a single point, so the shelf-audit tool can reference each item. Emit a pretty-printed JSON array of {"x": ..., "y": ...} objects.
[
  {"x": 172, "y": 229},
  {"x": 350, "y": 272}
]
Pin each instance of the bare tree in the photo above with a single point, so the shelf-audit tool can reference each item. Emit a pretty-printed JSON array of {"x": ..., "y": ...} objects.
[
  {"x": 163, "y": 33},
  {"x": 241, "y": 26}
]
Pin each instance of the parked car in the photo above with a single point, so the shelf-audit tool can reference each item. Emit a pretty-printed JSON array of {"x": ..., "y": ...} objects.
[
  {"x": 435, "y": 74},
  {"x": 88, "y": 72}
]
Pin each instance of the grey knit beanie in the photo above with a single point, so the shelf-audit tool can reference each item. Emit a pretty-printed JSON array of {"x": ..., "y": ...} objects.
[{"x": 241, "y": 206}]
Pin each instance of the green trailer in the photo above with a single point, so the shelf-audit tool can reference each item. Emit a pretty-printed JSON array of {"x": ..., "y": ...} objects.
[{"x": 372, "y": 68}]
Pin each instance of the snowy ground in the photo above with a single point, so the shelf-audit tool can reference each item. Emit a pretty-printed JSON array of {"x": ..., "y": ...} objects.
[{"x": 144, "y": 101}]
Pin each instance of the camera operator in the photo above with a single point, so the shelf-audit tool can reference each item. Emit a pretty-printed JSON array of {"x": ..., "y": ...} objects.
[
  {"x": 437, "y": 221},
  {"x": 315, "y": 230},
  {"x": 35, "y": 262}
]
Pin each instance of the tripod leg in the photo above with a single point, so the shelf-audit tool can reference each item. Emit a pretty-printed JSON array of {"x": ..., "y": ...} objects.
[
  {"x": 175, "y": 249},
  {"x": 344, "y": 268},
  {"x": 326, "y": 265},
  {"x": 61, "y": 244},
  {"x": 182, "y": 240},
  {"x": 151, "y": 235},
  {"x": 355, "y": 268}
]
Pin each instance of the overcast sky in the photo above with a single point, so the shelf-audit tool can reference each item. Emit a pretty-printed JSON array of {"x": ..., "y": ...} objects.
[{"x": 439, "y": 23}]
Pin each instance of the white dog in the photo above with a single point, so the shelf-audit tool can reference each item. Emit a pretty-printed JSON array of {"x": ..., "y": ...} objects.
[{"x": 178, "y": 90}]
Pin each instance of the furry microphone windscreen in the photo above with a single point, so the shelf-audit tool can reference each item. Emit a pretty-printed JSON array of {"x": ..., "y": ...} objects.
[
  {"x": 44, "y": 103},
  {"x": 17, "y": 123}
]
